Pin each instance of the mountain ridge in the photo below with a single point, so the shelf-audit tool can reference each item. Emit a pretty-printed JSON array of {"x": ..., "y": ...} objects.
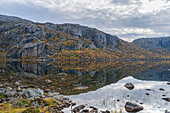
[
  {"x": 21, "y": 38},
  {"x": 162, "y": 43}
]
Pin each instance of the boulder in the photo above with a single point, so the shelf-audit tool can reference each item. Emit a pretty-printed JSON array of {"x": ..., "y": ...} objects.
[
  {"x": 94, "y": 109},
  {"x": 129, "y": 86},
  {"x": 32, "y": 92},
  {"x": 166, "y": 111},
  {"x": 47, "y": 91},
  {"x": 47, "y": 81},
  {"x": 16, "y": 83},
  {"x": 78, "y": 108},
  {"x": 107, "y": 111},
  {"x": 62, "y": 74},
  {"x": 167, "y": 99},
  {"x": 161, "y": 89},
  {"x": 85, "y": 111},
  {"x": 131, "y": 107}
]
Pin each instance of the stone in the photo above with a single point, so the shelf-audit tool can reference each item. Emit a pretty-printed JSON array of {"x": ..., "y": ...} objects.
[
  {"x": 131, "y": 107},
  {"x": 85, "y": 111},
  {"x": 9, "y": 89},
  {"x": 26, "y": 105},
  {"x": 78, "y": 108},
  {"x": 73, "y": 104},
  {"x": 107, "y": 111},
  {"x": 167, "y": 99},
  {"x": 48, "y": 81},
  {"x": 168, "y": 83},
  {"x": 147, "y": 93},
  {"x": 2, "y": 71},
  {"x": 166, "y": 111},
  {"x": 32, "y": 92},
  {"x": 129, "y": 86},
  {"x": 62, "y": 74},
  {"x": 55, "y": 94},
  {"x": 16, "y": 83},
  {"x": 47, "y": 91},
  {"x": 161, "y": 89},
  {"x": 81, "y": 87},
  {"x": 149, "y": 89}
]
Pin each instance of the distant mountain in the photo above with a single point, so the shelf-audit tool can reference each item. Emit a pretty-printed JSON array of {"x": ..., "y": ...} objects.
[
  {"x": 21, "y": 38},
  {"x": 161, "y": 43}
]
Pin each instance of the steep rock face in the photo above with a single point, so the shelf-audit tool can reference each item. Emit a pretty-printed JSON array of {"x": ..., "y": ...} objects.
[
  {"x": 153, "y": 43},
  {"x": 24, "y": 38},
  {"x": 99, "y": 38},
  {"x": 31, "y": 47},
  {"x": 32, "y": 50}
]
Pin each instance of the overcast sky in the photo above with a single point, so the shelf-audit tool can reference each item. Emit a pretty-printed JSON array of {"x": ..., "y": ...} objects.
[{"x": 128, "y": 19}]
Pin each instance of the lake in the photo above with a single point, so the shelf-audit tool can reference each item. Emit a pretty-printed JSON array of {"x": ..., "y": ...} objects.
[{"x": 99, "y": 84}]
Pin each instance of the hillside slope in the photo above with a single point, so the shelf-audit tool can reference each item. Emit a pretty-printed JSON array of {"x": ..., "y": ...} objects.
[
  {"x": 20, "y": 38},
  {"x": 162, "y": 43}
]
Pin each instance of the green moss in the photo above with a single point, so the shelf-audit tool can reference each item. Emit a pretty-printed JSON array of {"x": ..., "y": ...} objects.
[{"x": 2, "y": 96}]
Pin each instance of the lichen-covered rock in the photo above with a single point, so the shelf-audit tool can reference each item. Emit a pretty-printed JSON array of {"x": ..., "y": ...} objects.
[{"x": 31, "y": 92}]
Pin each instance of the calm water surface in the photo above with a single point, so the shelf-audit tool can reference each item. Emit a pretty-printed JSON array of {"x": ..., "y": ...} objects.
[{"x": 99, "y": 84}]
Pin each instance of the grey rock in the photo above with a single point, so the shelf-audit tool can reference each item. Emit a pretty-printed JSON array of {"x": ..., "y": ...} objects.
[
  {"x": 62, "y": 74},
  {"x": 107, "y": 111},
  {"x": 9, "y": 89},
  {"x": 16, "y": 83},
  {"x": 78, "y": 108},
  {"x": 85, "y": 111},
  {"x": 2, "y": 71},
  {"x": 167, "y": 99},
  {"x": 161, "y": 89},
  {"x": 153, "y": 43},
  {"x": 129, "y": 86},
  {"x": 166, "y": 111},
  {"x": 31, "y": 92},
  {"x": 47, "y": 81},
  {"x": 131, "y": 107},
  {"x": 47, "y": 91}
]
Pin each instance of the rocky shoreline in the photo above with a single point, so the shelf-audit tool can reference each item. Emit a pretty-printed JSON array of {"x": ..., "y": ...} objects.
[
  {"x": 27, "y": 99},
  {"x": 35, "y": 100}
]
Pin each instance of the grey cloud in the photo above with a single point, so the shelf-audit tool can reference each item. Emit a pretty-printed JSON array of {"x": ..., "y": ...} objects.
[{"x": 102, "y": 18}]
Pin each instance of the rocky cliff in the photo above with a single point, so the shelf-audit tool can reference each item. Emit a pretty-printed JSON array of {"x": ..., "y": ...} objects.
[
  {"x": 24, "y": 38},
  {"x": 162, "y": 43},
  {"x": 20, "y": 37}
]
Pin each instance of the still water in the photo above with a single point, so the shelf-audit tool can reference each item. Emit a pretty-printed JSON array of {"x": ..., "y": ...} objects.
[{"x": 99, "y": 84}]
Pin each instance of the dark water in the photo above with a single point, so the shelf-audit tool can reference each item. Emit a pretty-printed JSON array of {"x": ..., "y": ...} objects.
[{"x": 79, "y": 80}]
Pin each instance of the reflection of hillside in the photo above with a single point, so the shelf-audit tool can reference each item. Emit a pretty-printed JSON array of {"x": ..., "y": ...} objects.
[
  {"x": 91, "y": 74},
  {"x": 33, "y": 69}
]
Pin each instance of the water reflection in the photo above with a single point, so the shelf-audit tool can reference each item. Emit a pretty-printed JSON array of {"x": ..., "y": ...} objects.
[
  {"x": 114, "y": 96},
  {"x": 80, "y": 77}
]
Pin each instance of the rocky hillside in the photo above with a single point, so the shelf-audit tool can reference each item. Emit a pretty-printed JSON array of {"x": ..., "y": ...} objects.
[
  {"x": 20, "y": 38},
  {"x": 162, "y": 43}
]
